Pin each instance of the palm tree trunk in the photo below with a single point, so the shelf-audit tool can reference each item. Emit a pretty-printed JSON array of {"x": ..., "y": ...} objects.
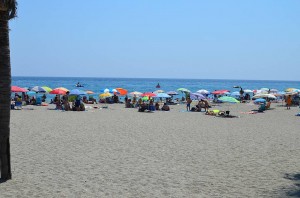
[{"x": 5, "y": 92}]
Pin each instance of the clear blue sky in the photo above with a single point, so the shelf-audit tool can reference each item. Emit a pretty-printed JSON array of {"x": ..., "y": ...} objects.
[{"x": 210, "y": 39}]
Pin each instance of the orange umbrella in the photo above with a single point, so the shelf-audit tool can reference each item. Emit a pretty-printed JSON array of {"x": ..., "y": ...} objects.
[
  {"x": 62, "y": 88},
  {"x": 122, "y": 91},
  {"x": 89, "y": 92}
]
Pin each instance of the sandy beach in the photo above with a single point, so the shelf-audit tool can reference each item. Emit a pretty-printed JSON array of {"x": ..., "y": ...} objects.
[{"x": 119, "y": 152}]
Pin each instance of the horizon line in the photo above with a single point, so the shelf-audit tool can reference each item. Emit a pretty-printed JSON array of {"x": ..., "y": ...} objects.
[{"x": 155, "y": 78}]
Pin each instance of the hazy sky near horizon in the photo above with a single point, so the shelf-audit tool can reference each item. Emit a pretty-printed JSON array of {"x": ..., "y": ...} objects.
[{"x": 199, "y": 39}]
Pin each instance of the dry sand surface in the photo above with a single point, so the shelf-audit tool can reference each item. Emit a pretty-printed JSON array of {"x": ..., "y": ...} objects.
[{"x": 118, "y": 152}]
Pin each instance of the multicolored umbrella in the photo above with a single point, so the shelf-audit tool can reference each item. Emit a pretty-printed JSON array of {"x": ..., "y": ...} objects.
[
  {"x": 48, "y": 89},
  {"x": 62, "y": 88},
  {"x": 38, "y": 89}
]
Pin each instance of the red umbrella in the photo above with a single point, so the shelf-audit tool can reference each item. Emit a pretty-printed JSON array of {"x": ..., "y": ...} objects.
[
  {"x": 17, "y": 89},
  {"x": 219, "y": 92},
  {"x": 122, "y": 91},
  {"x": 58, "y": 92},
  {"x": 149, "y": 94}
]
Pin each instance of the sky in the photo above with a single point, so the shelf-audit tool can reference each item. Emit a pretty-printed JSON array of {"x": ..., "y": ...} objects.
[{"x": 197, "y": 39}]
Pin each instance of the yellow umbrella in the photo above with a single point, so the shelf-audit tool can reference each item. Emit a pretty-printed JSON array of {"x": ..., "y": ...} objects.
[
  {"x": 105, "y": 95},
  {"x": 290, "y": 89}
]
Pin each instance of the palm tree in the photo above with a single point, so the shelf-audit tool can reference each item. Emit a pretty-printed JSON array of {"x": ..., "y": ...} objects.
[{"x": 7, "y": 11}]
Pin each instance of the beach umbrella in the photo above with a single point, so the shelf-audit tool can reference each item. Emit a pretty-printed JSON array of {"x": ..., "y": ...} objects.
[
  {"x": 273, "y": 90},
  {"x": 149, "y": 94},
  {"x": 105, "y": 95},
  {"x": 58, "y": 92},
  {"x": 18, "y": 89},
  {"x": 220, "y": 92},
  {"x": 135, "y": 93},
  {"x": 248, "y": 91},
  {"x": 77, "y": 92},
  {"x": 172, "y": 93},
  {"x": 48, "y": 89},
  {"x": 106, "y": 90},
  {"x": 197, "y": 96},
  {"x": 145, "y": 98},
  {"x": 89, "y": 92},
  {"x": 122, "y": 91},
  {"x": 265, "y": 89},
  {"x": 228, "y": 99},
  {"x": 184, "y": 90},
  {"x": 38, "y": 89},
  {"x": 62, "y": 88},
  {"x": 289, "y": 89},
  {"x": 159, "y": 91},
  {"x": 260, "y": 100},
  {"x": 31, "y": 93},
  {"x": 162, "y": 95},
  {"x": 203, "y": 91},
  {"x": 235, "y": 93},
  {"x": 271, "y": 96}
]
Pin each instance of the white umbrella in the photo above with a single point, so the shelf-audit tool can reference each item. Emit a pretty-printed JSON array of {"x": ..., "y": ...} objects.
[
  {"x": 203, "y": 91},
  {"x": 271, "y": 96},
  {"x": 248, "y": 91}
]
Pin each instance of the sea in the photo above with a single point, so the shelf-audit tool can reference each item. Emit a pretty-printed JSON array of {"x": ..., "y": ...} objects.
[{"x": 149, "y": 84}]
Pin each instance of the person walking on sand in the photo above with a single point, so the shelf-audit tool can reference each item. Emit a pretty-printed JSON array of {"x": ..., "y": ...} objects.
[
  {"x": 288, "y": 101},
  {"x": 188, "y": 104}
]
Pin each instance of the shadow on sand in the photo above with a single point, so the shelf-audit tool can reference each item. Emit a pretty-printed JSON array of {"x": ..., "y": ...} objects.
[{"x": 293, "y": 191}]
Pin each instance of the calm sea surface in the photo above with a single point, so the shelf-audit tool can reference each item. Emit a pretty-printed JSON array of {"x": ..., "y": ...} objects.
[{"x": 148, "y": 84}]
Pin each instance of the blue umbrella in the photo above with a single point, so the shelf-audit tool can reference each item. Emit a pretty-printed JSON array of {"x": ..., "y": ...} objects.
[
  {"x": 197, "y": 96},
  {"x": 162, "y": 95},
  {"x": 172, "y": 93},
  {"x": 260, "y": 100},
  {"x": 77, "y": 92}
]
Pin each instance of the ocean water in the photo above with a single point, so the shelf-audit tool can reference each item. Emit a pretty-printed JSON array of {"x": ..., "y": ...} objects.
[{"x": 149, "y": 84}]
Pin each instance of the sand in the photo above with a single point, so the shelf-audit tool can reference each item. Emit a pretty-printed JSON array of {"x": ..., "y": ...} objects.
[{"x": 119, "y": 152}]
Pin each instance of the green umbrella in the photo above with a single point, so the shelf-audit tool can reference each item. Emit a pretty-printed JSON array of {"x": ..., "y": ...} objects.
[
  {"x": 145, "y": 98},
  {"x": 183, "y": 90},
  {"x": 228, "y": 99}
]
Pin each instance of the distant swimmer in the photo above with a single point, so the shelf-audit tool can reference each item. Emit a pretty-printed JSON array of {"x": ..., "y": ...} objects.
[
  {"x": 157, "y": 86},
  {"x": 79, "y": 85}
]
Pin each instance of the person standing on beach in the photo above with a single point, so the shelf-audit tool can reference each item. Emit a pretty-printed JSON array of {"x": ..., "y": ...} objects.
[
  {"x": 188, "y": 104},
  {"x": 288, "y": 101}
]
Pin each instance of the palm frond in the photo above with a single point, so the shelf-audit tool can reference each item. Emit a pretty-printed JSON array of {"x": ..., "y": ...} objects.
[{"x": 10, "y": 6}]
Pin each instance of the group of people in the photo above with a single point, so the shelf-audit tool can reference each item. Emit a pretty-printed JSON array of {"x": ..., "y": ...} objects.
[
  {"x": 64, "y": 104},
  {"x": 202, "y": 104}
]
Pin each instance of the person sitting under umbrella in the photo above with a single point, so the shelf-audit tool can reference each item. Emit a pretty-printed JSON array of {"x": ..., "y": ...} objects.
[{"x": 165, "y": 107}]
